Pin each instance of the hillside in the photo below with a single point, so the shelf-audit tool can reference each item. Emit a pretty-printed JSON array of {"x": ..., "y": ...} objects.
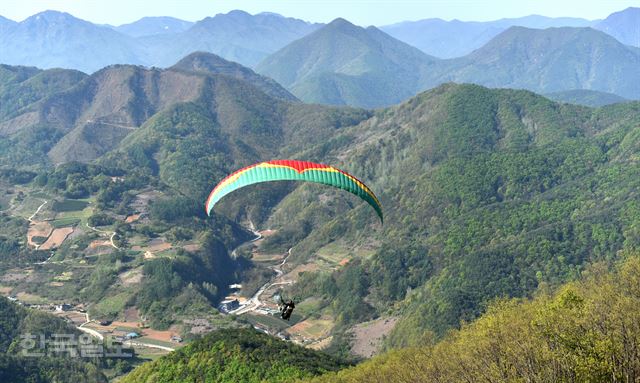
[
  {"x": 485, "y": 195},
  {"x": 550, "y": 60},
  {"x": 586, "y": 97},
  {"x": 15, "y": 322},
  {"x": 74, "y": 117},
  {"x": 581, "y": 332},
  {"x": 240, "y": 355},
  {"x": 212, "y": 64},
  {"x": 53, "y": 39},
  {"x": 455, "y": 38},
  {"x": 149, "y": 26},
  {"x": 22, "y": 86},
  {"x": 126, "y": 221},
  {"x": 236, "y": 36},
  {"x": 345, "y": 64},
  {"x": 623, "y": 25}
]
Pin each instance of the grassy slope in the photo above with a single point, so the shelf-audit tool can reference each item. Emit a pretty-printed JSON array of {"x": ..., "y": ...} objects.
[{"x": 585, "y": 331}]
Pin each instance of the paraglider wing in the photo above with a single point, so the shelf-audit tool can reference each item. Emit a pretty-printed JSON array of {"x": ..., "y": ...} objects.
[{"x": 292, "y": 170}]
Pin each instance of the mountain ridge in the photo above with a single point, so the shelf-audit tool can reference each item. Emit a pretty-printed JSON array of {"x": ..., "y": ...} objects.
[{"x": 339, "y": 62}]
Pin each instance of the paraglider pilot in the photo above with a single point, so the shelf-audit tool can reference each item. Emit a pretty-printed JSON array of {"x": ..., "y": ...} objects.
[{"x": 286, "y": 309}]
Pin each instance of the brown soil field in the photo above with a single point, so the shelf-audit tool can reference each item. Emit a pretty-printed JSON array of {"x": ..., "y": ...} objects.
[
  {"x": 57, "y": 238},
  {"x": 131, "y": 314},
  {"x": 131, "y": 277},
  {"x": 192, "y": 247},
  {"x": 38, "y": 229},
  {"x": 164, "y": 336},
  {"x": 75, "y": 317},
  {"x": 15, "y": 275},
  {"x": 298, "y": 327},
  {"x": 158, "y": 244},
  {"x": 99, "y": 243},
  {"x": 293, "y": 274},
  {"x": 132, "y": 218},
  {"x": 368, "y": 336},
  {"x": 5, "y": 290},
  {"x": 313, "y": 328}
]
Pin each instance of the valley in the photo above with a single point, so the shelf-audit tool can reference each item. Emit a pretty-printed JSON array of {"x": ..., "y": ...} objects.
[{"x": 493, "y": 229}]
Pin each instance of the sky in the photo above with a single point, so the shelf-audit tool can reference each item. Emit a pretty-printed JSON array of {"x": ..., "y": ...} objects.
[{"x": 361, "y": 12}]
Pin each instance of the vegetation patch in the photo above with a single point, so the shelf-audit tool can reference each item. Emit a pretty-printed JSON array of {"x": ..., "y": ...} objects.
[
  {"x": 65, "y": 222},
  {"x": 69, "y": 205}
]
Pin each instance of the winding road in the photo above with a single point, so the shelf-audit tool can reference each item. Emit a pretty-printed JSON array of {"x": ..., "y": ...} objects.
[
  {"x": 254, "y": 302},
  {"x": 129, "y": 343},
  {"x": 30, "y": 219},
  {"x": 113, "y": 234}
]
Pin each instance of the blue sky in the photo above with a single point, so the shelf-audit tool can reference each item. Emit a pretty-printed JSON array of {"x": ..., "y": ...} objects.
[{"x": 362, "y": 12}]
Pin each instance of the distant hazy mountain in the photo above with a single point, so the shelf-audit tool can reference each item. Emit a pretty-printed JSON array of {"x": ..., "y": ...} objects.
[
  {"x": 455, "y": 38},
  {"x": 55, "y": 39},
  {"x": 346, "y": 64},
  {"x": 623, "y": 25},
  {"x": 6, "y": 23},
  {"x": 236, "y": 36},
  {"x": 550, "y": 60},
  {"x": 148, "y": 26},
  {"x": 212, "y": 64},
  {"x": 586, "y": 97}
]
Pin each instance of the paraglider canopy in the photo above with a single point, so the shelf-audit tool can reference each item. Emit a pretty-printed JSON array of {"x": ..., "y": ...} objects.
[{"x": 292, "y": 170}]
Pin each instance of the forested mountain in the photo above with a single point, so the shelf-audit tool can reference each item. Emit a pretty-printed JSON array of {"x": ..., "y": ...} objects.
[
  {"x": 623, "y": 25},
  {"x": 240, "y": 355},
  {"x": 586, "y": 97},
  {"x": 346, "y": 64},
  {"x": 169, "y": 133},
  {"x": 15, "y": 322},
  {"x": 149, "y": 26},
  {"x": 487, "y": 193},
  {"x": 212, "y": 64},
  {"x": 581, "y": 332},
  {"x": 550, "y": 60},
  {"x": 455, "y": 38},
  {"x": 74, "y": 117}
]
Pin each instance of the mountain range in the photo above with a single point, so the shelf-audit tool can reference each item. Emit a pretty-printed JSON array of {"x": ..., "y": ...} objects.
[
  {"x": 550, "y": 60},
  {"x": 455, "y": 38},
  {"x": 245, "y": 38},
  {"x": 55, "y": 39},
  {"x": 150, "y": 26},
  {"x": 488, "y": 193},
  {"x": 345, "y": 64},
  {"x": 85, "y": 116}
]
